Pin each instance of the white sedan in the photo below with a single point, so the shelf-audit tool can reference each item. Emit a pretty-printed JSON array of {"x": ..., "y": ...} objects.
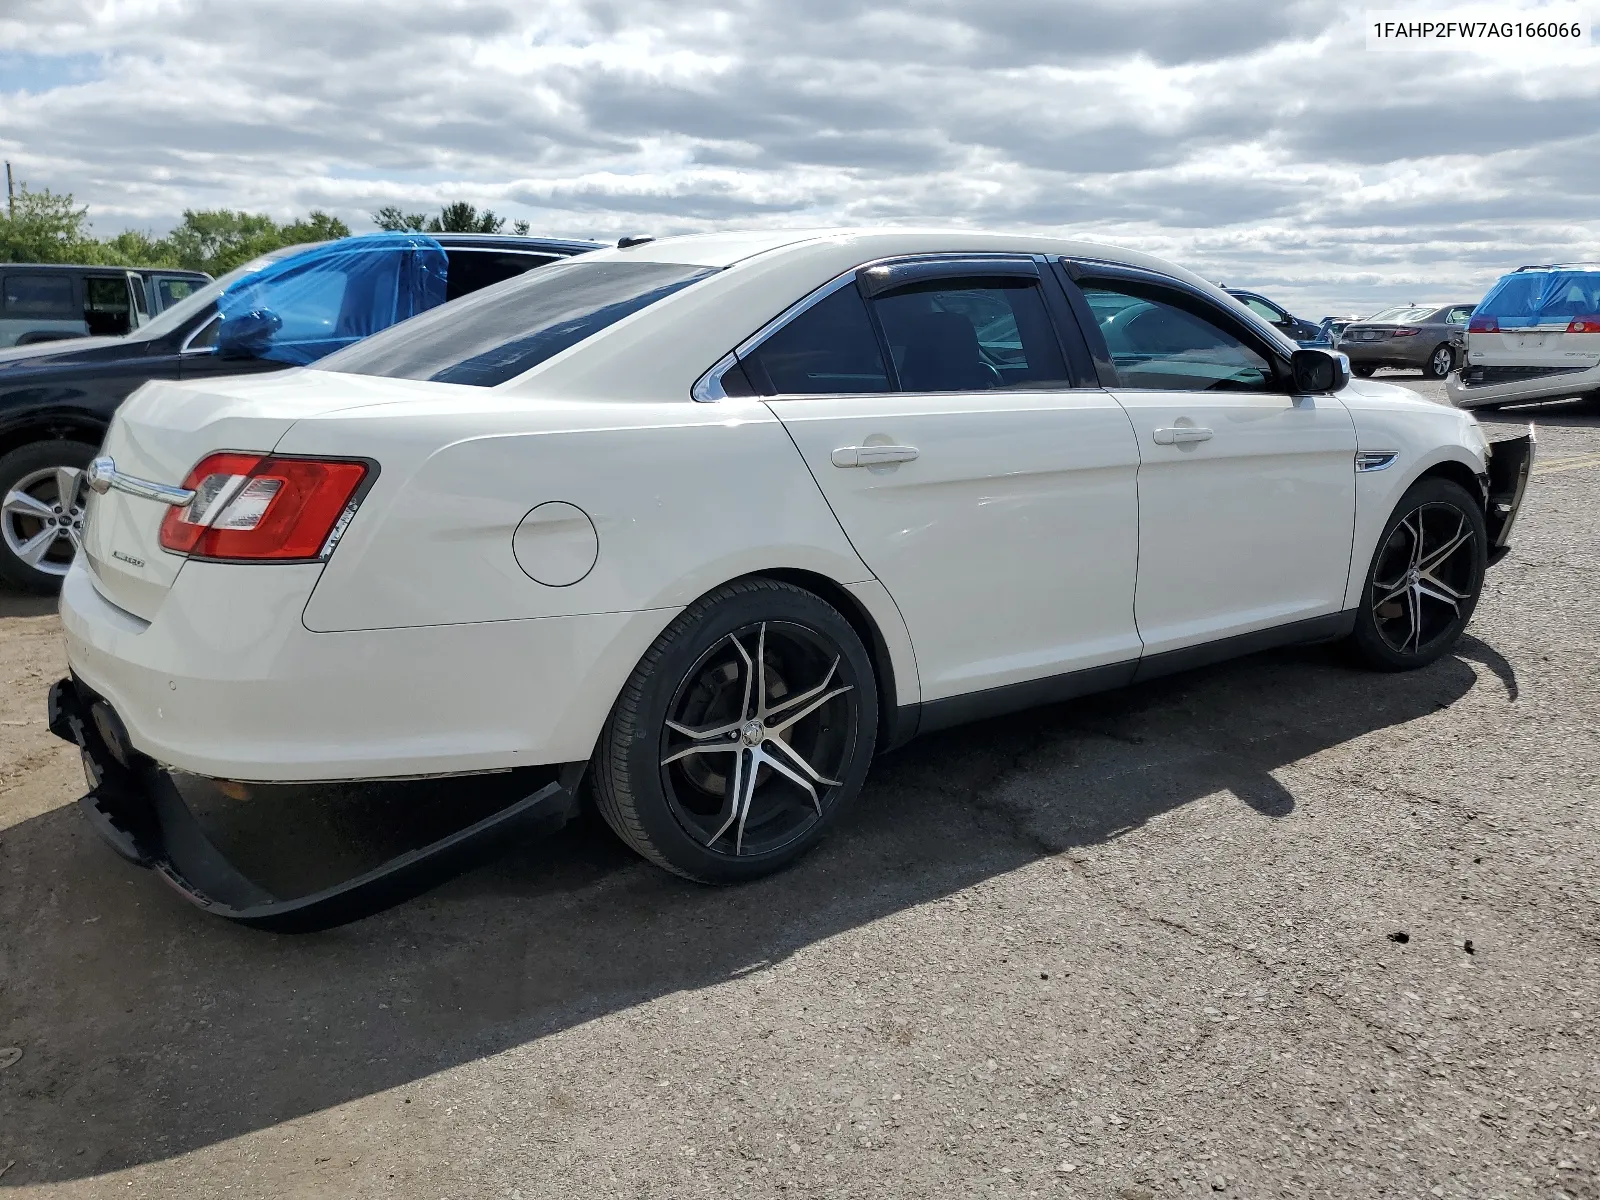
[{"x": 708, "y": 521}]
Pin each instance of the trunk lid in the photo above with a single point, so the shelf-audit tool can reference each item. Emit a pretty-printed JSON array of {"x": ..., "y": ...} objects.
[
  {"x": 160, "y": 433},
  {"x": 1544, "y": 345}
]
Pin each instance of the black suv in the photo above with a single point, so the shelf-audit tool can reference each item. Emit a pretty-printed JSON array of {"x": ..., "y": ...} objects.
[
  {"x": 46, "y": 302},
  {"x": 56, "y": 398}
]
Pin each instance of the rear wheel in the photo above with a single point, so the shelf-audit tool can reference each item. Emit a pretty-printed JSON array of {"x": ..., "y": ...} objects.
[
  {"x": 742, "y": 735},
  {"x": 42, "y": 494},
  {"x": 1425, "y": 578},
  {"x": 1364, "y": 372},
  {"x": 1440, "y": 362}
]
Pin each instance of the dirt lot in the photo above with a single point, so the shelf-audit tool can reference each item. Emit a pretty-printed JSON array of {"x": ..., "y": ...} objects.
[{"x": 1275, "y": 928}]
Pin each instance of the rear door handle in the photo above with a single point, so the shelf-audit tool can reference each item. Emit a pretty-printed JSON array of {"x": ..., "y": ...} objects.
[
  {"x": 1177, "y": 435},
  {"x": 871, "y": 456}
]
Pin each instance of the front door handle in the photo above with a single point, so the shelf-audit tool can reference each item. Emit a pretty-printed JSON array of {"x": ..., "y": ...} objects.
[
  {"x": 1178, "y": 435},
  {"x": 871, "y": 456}
]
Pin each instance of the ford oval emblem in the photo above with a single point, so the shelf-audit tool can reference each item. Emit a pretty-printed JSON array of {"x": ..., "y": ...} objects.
[{"x": 101, "y": 472}]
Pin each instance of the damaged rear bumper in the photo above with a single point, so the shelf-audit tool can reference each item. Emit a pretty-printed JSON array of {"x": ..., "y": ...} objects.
[{"x": 135, "y": 806}]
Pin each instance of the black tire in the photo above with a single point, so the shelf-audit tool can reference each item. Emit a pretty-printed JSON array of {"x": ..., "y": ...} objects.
[
  {"x": 1363, "y": 372},
  {"x": 1410, "y": 613},
  {"x": 670, "y": 802},
  {"x": 30, "y": 471},
  {"x": 1441, "y": 361}
]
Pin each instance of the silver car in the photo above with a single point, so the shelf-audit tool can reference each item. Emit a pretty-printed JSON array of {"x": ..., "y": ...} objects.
[
  {"x": 1420, "y": 337},
  {"x": 1534, "y": 337}
]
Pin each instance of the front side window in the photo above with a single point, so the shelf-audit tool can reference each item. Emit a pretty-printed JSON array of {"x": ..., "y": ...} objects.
[
  {"x": 497, "y": 334},
  {"x": 1164, "y": 341},
  {"x": 170, "y": 290}
]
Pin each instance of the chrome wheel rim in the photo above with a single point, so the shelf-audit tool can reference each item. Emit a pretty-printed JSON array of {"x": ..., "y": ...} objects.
[
  {"x": 1441, "y": 361},
  {"x": 758, "y": 738},
  {"x": 1423, "y": 578},
  {"x": 41, "y": 518}
]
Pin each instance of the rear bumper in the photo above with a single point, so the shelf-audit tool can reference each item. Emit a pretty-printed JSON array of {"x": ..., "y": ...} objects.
[
  {"x": 1545, "y": 387},
  {"x": 1391, "y": 353},
  {"x": 136, "y": 808},
  {"x": 226, "y": 682}
]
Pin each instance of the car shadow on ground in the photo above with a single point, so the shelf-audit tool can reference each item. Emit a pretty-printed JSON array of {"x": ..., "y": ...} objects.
[{"x": 150, "y": 1030}]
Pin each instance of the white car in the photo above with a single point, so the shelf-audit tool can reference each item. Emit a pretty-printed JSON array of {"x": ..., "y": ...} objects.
[
  {"x": 712, "y": 519},
  {"x": 1534, "y": 337}
]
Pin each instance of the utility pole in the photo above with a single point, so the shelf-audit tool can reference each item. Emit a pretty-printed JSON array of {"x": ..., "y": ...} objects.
[{"x": 11, "y": 194}]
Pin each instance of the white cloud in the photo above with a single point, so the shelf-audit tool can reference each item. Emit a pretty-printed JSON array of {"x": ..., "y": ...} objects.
[{"x": 1257, "y": 142}]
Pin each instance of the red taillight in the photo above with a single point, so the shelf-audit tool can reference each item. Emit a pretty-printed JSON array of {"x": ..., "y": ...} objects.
[
  {"x": 253, "y": 506},
  {"x": 1405, "y": 333},
  {"x": 1584, "y": 325},
  {"x": 1483, "y": 325}
]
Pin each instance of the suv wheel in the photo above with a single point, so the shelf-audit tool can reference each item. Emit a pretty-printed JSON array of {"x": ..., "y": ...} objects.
[{"x": 42, "y": 494}]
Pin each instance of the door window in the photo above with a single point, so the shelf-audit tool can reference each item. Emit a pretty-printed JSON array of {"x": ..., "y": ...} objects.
[
  {"x": 107, "y": 305},
  {"x": 960, "y": 335},
  {"x": 171, "y": 289},
  {"x": 830, "y": 348},
  {"x": 40, "y": 296},
  {"x": 1165, "y": 341}
]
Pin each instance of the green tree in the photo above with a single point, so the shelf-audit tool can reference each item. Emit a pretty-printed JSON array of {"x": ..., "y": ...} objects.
[
  {"x": 460, "y": 217},
  {"x": 45, "y": 227},
  {"x": 218, "y": 240}
]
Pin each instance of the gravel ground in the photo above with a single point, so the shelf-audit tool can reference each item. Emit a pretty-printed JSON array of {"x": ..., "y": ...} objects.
[{"x": 1275, "y": 928}]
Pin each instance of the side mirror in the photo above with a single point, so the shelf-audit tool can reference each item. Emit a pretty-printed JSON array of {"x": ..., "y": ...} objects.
[
  {"x": 1317, "y": 371},
  {"x": 248, "y": 334}
]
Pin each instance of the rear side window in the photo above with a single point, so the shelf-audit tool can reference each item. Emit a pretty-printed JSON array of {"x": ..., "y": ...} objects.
[
  {"x": 828, "y": 349},
  {"x": 40, "y": 296},
  {"x": 497, "y": 334},
  {"x": 1164, "y": 342},
  {"x": 170, "y": 290},
  {"x": 955, "y": 335}
]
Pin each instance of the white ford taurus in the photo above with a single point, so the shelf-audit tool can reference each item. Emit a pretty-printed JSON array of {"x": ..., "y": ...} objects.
[{"x": 716, "y": 518}]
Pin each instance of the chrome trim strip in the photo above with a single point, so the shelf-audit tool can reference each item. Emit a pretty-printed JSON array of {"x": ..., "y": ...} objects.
[
  {"x": 103, "y": 476},
  {"x": 1376, "y": 460}
]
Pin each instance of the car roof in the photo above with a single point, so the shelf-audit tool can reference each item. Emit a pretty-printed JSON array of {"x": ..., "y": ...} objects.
[
  {"x": 861, "y": 245},
  {"x": 513, "y": 241},
  {"x": 50, "y": 267}
]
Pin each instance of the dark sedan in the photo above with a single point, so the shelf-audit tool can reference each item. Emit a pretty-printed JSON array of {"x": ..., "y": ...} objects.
[
  {"x": 1307, "y": 333},
  {"x": 283, "y": 309},
  {"x": 1419, "y": 337}
]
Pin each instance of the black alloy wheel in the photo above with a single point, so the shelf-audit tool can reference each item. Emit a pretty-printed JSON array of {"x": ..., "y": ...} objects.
[
  {"x": 742, "y": 735},
  {"x": 1441, "y": 362},
  {"x": 1425, "y": 578}
]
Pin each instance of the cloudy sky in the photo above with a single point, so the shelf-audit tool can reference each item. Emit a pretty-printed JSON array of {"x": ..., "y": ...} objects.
[{"x": 1259, "y": 143}]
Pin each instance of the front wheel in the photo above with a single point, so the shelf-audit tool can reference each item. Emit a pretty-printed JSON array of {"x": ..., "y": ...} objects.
[
  {"x": 742, "y": 735},
  {"x": 1363, "y": 372},
  {"x": 1440, "y": 362},
  {"x": 1424, "y": 580},
  {"x": 42, "y": 496}
]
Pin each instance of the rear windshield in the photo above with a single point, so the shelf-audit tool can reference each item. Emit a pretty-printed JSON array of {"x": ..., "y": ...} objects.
[
  {"x": 497, "y": 334},
  {"x": 1542, "y": 298},
  {"x": 1404, "y": 312}
]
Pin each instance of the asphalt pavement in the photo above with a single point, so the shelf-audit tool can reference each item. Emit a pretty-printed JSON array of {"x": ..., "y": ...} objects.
[{"x": 1279, "y": 927}]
